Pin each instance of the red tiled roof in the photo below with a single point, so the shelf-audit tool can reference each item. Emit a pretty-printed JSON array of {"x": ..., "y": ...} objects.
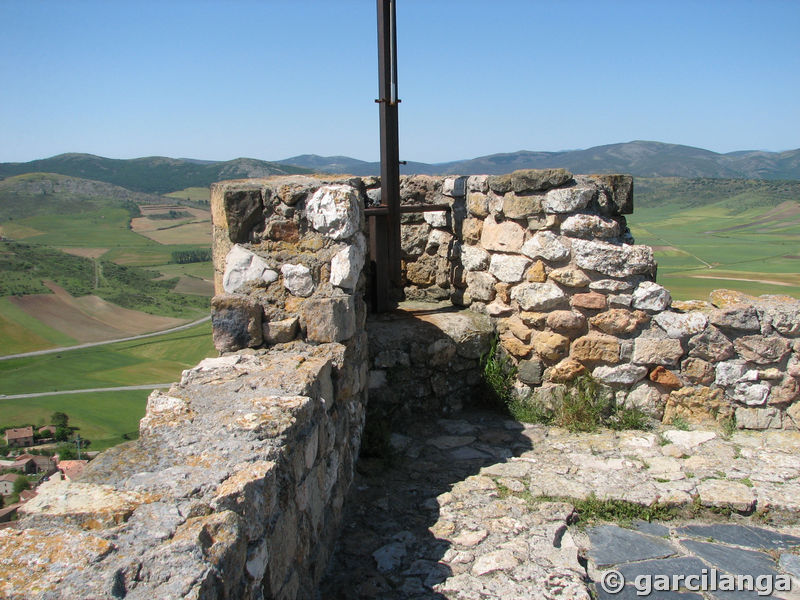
[
  {"x": 71, "y": 468},
  {"x": 22, "y": 432},
  {"x": 26, "y": 495}
]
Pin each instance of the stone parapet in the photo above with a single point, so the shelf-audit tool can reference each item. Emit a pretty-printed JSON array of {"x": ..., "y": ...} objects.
[
  {"x": 549, "y": 257},
  {"x": 234, "y": 489}
]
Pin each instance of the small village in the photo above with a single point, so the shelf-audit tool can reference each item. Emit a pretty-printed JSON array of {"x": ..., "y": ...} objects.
[{"x": 32, "y": 456}]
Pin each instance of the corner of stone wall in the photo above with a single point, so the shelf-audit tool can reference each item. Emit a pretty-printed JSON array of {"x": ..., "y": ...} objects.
[{"x": 549, "y": 257}]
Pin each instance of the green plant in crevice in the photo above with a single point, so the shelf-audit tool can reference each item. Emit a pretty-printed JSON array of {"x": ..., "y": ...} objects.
[
  {"x": 499, "y": 374},
  {"x": 680, "y": 423},
  {"x": 528, "y": 411},
  {"x": 629, "y": 418},
  {"x": 584, "y": 407},
  {"x": 728, "y": 426}
]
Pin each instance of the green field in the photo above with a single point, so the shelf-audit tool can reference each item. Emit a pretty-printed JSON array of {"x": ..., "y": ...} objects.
[
  {"x": 194, "y": 194},
  {"x": 102, "y": 417},
  {"x": 744, "y": 241},
  {"x": 158, "y": 359}
]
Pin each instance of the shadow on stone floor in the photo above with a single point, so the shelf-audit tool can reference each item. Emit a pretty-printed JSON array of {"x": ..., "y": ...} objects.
[{"x": 388, "y": 547}]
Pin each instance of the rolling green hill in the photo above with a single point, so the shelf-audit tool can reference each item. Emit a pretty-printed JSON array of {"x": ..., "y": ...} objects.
[
  {"x": 735, "y": 194},
  {"x": 32, "y": 194},
  {"x": 152, "y": 175}
]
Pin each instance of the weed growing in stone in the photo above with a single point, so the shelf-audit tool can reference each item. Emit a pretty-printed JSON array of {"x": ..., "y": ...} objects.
[
  {"x": 584, "y": 407},
  {"x": 592, "y": 509},
  {"x": 728, "y": 426},
  {"x": 530, "y": 412},
  {"x": 680, "y": 423},
  {"x": 629, "y": 418},
  {"x": 499, "y": 375}
]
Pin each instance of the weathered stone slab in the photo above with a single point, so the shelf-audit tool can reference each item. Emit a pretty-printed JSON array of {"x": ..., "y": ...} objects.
[
  {"x": 618, "y": 321},
  {"x": 538, "y": 296},
  {"x": 617, "y": 193},
  {"x": 697, "y": 370},
  {"x": 570, "y": 277},
  {"x": 590, "y": 227},
  {"x": 480, "y": 285},
  {"x": 613, "y": 545},
  {"x": 516, "y": 206},
  {"x": 566, "y": 321},
  {"x": 503, "y": 236},
  {"x": 610, "y": 285},
  {"x": 298, "y": 280},
  {"x": 758, "y": 418},
  {"x": 651, "y": 351},
  {"x": 651, "y": 528},
  {"x": 335, "y": 210},
  {"x": 280, "y": 332},
  {"x": 616, "y": 260},
  {"x": 546, "y": 245},
  {"x": 719, "y": 493},
  {"x": 508, "y": 268},
  {"x": 589, "y": 301},
  {"x": 530, "y": 371},
  {"x": 710, "y": 345},
  {"x": 566, "y": 200},
  {"x": 236, "y": 322},
  {"x": 596, "y": 347},
  {"x": 741, "y": 535},
  {"x": 622, "y": 374},
  {"x": 538, "y": 180},
  {"x": 329, "y": 319},
  {"x": 651, "y": 296},
  {"x": 737, "y": 317},
  {"x": 474, "y": 258},
  {"x": 243, "y": 266},
  {"x": 242, "y": 210},
  {"x": 681, "y": 325},
  {"x": 347, "y": 264},
  {"x": 550, "y": 346},
  {"x": 762, "y": 350},
  {"x": 698, "y": 404},
  {"x": 732, "y": 560}
]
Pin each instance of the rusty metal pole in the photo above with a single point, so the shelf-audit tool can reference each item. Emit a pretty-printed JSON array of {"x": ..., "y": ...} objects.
[{"x": 390, "y": 151}]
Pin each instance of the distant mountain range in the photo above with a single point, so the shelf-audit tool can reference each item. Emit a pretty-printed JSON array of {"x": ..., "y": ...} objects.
[
  {"x": 159, "y": 175},
  {"x": 151, "y": 175},
  {"x": 640, "y": 159}
]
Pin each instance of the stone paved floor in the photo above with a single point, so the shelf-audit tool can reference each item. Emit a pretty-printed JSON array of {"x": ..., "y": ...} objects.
[{"x": 458, "y": 512}]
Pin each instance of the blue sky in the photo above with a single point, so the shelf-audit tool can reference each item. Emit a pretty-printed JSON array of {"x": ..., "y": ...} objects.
[{"x": 272, "y": 79}]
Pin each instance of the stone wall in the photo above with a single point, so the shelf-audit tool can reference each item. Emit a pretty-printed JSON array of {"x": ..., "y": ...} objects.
[{"x": 549, "y": 257}]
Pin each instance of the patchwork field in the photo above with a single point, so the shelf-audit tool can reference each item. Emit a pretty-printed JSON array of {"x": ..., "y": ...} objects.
[
  {"x": 20, "y": 332},
  {"x": 195, "y": 194},
  {"x": 721, "y": 245},
  {"x": 158, "y": 359},
  {"x": 88, "y": 318}
]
